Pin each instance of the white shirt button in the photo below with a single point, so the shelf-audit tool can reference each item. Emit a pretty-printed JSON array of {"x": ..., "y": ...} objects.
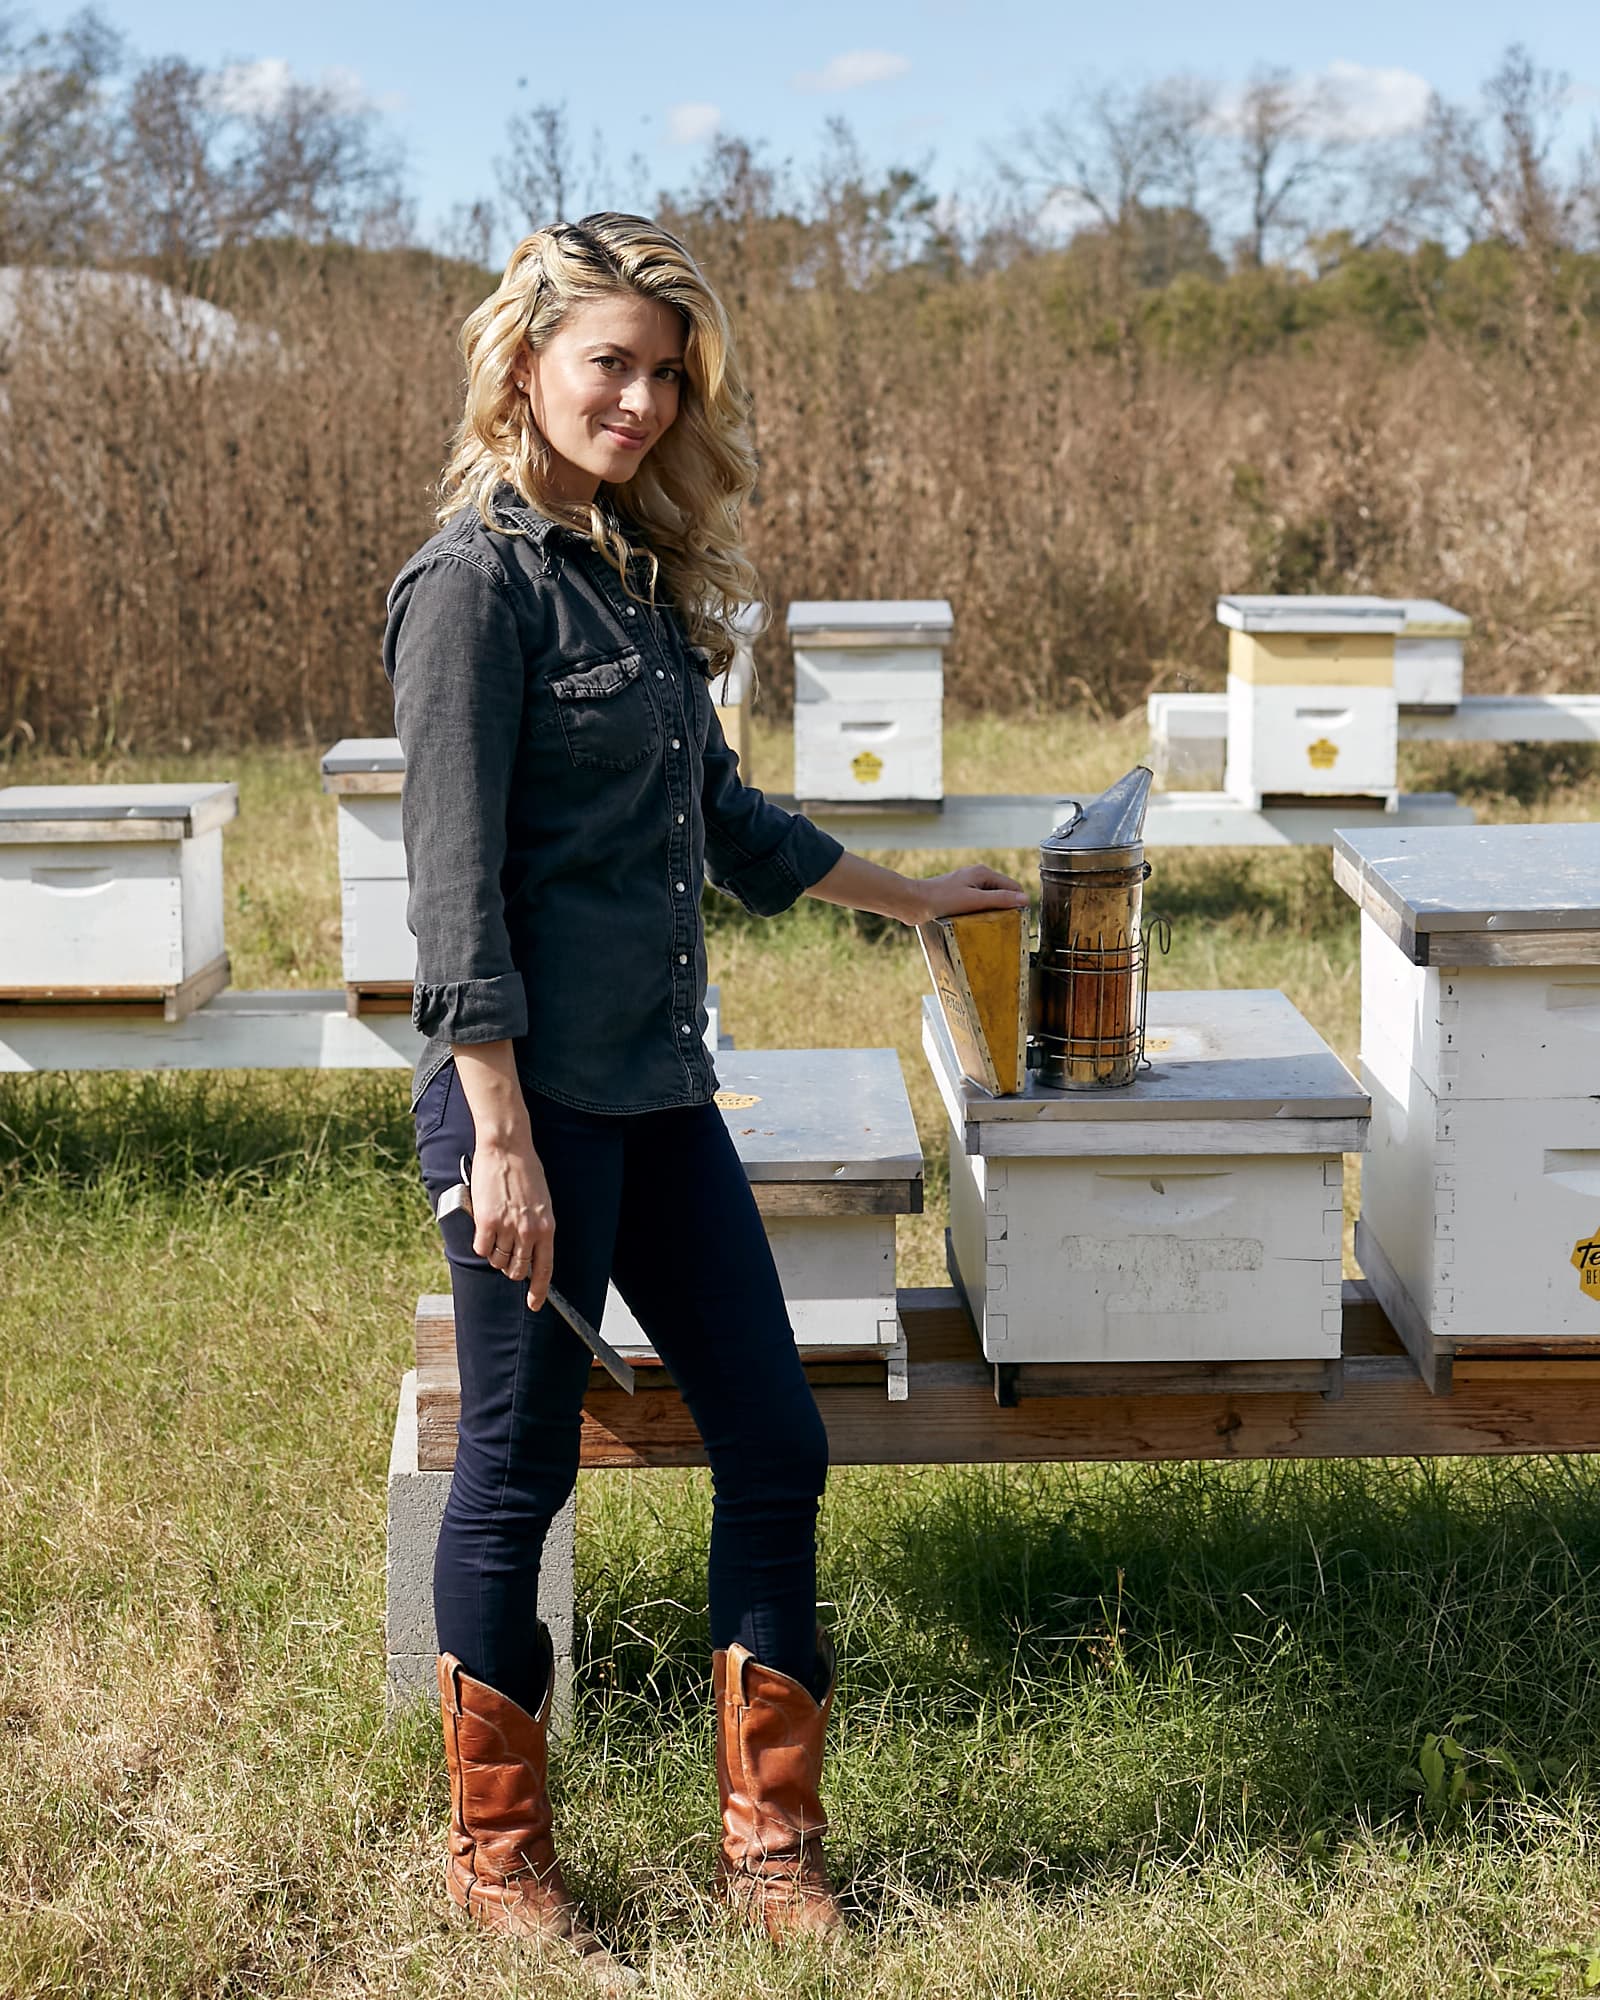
[
  {"x": 679, "y": 887},
  {"x": 630, "y": 611},
  {"x": 676, "y": 744},
  {"x": 680, "y": 819},
  {"x": 683, "y": 958},
  {"x": 684, "y": 1029}
]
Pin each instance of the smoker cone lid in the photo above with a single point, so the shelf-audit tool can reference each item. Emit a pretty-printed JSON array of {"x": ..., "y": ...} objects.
[{"x": 1107, "y": 832}]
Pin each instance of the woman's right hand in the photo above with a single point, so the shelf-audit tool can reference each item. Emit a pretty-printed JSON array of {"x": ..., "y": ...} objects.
[
  {"x": 515, "y": 1230},
  {"x": 513, "y": 1227}
]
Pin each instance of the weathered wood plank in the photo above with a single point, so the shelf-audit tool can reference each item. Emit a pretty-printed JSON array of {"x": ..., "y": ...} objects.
[
  {"x": 888, "y": 1197},
  {"x": 1546, "y": 947},
  {"x": 951, "y": 1416},
  {"x": 103, "y": 1002},
  {"x": 1172, "y": 1378},
  {"x": 377, "y": 996}
]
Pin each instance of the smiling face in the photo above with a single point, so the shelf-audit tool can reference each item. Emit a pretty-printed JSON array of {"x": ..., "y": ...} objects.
[{"x": 604, "y": 388}]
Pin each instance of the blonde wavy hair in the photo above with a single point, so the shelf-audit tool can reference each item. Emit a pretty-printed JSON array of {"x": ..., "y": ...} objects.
[{"x": 682, "y": 507}]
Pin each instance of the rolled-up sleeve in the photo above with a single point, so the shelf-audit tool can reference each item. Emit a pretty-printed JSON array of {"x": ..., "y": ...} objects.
[
  {"x": 453, "y": 654},
  {"x": 762, "y": 856}
]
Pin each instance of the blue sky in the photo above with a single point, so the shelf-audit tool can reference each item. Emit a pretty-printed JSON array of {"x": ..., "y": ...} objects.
[{"x": 914, "y": 77}]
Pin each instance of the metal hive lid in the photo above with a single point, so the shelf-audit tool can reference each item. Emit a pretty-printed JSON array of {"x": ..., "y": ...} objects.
[
  {"x": 1427, "y": 618},
  {"x": 1309, "y": 613},
  {"x": 1107, "y": 830}
]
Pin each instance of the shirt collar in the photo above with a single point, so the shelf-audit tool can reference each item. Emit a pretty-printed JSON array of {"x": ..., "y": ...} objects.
[{"x": 508, "y": 505}]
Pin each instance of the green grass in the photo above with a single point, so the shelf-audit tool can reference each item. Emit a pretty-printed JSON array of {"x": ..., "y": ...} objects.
[{"x": 1106, "y": 1731}]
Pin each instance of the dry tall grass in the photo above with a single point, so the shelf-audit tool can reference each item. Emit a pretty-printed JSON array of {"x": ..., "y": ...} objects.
[{"x": 198, "y": 553}]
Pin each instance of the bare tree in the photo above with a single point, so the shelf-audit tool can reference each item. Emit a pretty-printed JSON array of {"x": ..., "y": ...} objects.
[
  {"x": 54, "y": 133},
  {"x": 468, "y": 233},
  {"x": 168, "y": 188},
  {"x": 542, "y": 177},
  {"x": 1496, "y": 170},
  {"x": 1288, "y": 152},
  {"x": 1126, "y": 169},
  {"x": 201, "y": 169},
  {"x": 1103, "y": 157},
  {"x": 869, "y": 222},
  {"x": 310, "y": 163}
]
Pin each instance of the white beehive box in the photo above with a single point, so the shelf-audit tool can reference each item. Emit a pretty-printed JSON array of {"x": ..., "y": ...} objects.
[
  {"x": 869, "y": 701},
  {"x": 1311, "y": 697},
  {"x": 365, "y": 773},
  {"x": 380, "y": 954},
  {"x": 828, "y": 1141},
  {"x": 113, "y": 894},
  {"x": 1195, "y": 1215},
  {"x": 733, "y": 692},
  {"x": 1188, "y": 741},
  {"x": 1480, "y": 1042},
  {"x": 1428, "y": 666}
]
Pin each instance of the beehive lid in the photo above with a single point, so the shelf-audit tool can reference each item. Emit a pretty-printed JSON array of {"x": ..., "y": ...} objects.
[
  {"x": 1436, "y": 889},
  {"x": 910, "y": 621},
  {"x": 364, "y": 764},
  {"x": 1240, "y": 1054},
  {"x": 363, "y": 753},
  {"x": 1427, "y": 618},
  {"x": 1312, "y": 614},
  {"x": 819, "y": 1114},
  {"x": 114, "y": 812}
]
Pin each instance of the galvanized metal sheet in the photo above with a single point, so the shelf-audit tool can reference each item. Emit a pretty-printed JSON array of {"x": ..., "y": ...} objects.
[
  {"x": 1311, "y": 614},
  {"x": 930, "y": 617},
  {"x": 19, "y": 803},
  {"x": 363, "y": 753},
  {"x": 1476, "y": 878},
  {"x": 819, "y": 1114},
  {"x": 1229, "y": 1055},
  {"x": 1427, "y": 618}
]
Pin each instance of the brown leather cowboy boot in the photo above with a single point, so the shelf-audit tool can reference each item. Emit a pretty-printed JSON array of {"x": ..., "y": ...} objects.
[
  {"x": 769, "y": 1770},
  {"x": 502, "y": 1865}
]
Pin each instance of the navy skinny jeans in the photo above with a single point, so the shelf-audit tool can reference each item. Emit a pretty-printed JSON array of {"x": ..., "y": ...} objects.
[{"x": 658, "y": 1202}]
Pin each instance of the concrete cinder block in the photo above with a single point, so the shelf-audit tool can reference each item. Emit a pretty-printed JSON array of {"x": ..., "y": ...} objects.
[{"x": 416, "y": 1508}]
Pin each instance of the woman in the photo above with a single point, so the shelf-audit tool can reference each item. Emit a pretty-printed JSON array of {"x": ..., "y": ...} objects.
[{"x": 567, "y": 786}]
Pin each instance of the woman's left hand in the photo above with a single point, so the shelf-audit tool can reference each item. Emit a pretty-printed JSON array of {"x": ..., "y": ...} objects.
[{"x": 967, "y": 889}]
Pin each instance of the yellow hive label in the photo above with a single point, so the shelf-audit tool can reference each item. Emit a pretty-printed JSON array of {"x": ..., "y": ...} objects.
[
  {"x": 735, "y": 1100},
  {"x": 1586, "y": 1262},
  {"x": 868, "y": 767},
  {"x": 1323, "y": 754}
]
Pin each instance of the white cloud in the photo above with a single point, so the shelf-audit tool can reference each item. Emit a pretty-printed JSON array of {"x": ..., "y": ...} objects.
[
  {"x": 256, "y": 89},
  {"x": 1347, "y": 100},
  {"x": 1375, "y": 103},
  {"x": 854, "y": 69},
  {"x": 688, "y": 124}
]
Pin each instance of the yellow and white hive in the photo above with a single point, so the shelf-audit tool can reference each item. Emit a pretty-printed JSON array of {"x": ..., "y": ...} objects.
[{"x": 1312, "y": 709}]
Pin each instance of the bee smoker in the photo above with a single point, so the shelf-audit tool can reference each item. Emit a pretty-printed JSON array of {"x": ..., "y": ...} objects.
[{"x": 1089, "y": 975}]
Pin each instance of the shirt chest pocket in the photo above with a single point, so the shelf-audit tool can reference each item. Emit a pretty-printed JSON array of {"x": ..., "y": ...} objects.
[{"x": 606, "y": 715}]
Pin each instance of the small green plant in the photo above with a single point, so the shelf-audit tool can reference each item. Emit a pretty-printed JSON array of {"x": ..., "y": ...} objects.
[{"x": 1448, "y": 1774}]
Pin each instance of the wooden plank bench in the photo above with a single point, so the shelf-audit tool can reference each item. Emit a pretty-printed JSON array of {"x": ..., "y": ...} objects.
[
  {"x": 961, "y": 1410},
  {"x": 1380, "y": 1407}
]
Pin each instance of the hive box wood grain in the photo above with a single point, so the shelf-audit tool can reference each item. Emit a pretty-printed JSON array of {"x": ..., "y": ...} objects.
[
  {"x": 112, "y": 894},
  {"x": 1195, "y": 1215}
]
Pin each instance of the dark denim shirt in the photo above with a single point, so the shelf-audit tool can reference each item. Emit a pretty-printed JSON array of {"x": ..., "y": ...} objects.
[{"x": 567, "y": 787}]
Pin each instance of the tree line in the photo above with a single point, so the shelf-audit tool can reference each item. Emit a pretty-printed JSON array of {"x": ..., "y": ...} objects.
[{"x": 1179, "y": 340}]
